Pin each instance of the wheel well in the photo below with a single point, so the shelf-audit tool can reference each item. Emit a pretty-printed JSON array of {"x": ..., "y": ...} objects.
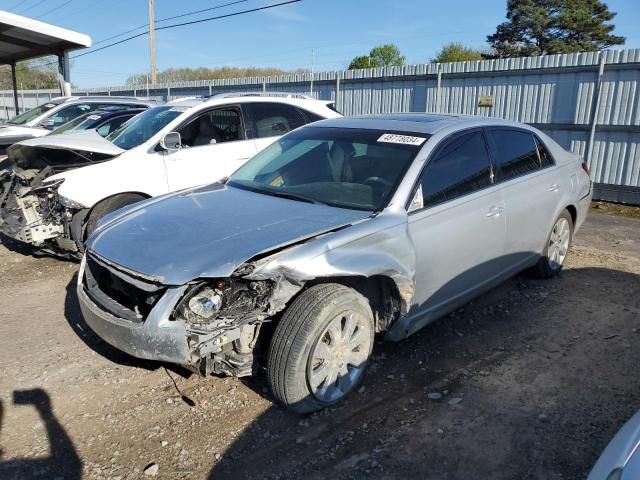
[
  {"x": 380, "y": 290},
  {"x": 573, "y": 212}
]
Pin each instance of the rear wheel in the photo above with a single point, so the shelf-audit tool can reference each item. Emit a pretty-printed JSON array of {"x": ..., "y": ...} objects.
[
  {"x": 557, "y": 247},
  {"x": 107, "y": 206},
  {"x": 320, "y": 348}
]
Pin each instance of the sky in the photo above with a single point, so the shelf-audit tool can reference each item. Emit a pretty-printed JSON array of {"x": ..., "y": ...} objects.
[{"x": 282, "y": 37}]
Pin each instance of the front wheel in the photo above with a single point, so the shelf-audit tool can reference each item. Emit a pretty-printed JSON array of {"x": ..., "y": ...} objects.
[
  {"x": 557, "y": 247},
  {"x": 320, "y": 348}
]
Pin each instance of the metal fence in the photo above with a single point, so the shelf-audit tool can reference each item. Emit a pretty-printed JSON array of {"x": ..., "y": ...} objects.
[{"x": 588, "y": 102}]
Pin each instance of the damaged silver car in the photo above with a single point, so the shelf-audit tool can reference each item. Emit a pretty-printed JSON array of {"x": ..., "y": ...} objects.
[{"x": 337, "y": 231}]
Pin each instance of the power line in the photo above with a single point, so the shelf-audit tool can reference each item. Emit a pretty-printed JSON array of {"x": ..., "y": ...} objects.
[
  {"x": 171, "y": 18},
  {"x": 54, "y": 9},
  {"x": 167, "y": 27},
  {"x": 31, "y": 7}
]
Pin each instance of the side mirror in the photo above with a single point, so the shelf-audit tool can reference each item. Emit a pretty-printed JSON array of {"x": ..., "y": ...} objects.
[
  {"x": 48, "y": 123},
  {"x": 171, "y": 141}
]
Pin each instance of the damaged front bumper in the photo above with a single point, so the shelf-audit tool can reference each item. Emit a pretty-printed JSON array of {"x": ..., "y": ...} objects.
[
  {"x": 33, "y": 214},
  {"x": 150, "y": 328}
]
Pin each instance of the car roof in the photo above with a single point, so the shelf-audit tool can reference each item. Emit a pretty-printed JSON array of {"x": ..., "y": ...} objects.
[
  {"x": 425, "y": 123},
  {"x": 247, "y": 97},
  {"x": 104, "y": 99}
]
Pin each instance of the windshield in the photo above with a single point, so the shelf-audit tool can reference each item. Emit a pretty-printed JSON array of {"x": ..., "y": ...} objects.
[
  {"x": 144, "y": 126},
  {"x": 342, "y": 167},
  {"x": 80, "y": 123},
  {"x": 31, "y": 114}
]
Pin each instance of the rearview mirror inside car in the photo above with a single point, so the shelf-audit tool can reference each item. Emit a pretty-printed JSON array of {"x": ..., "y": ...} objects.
[{"x": 171, "y": 141}]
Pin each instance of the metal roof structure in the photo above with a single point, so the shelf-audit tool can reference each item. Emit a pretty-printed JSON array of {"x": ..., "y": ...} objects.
[{"x": 23, "y": 38}]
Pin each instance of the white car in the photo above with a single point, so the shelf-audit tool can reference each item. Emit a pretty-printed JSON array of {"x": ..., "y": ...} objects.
[
  {"x": 178, "y": 145},
  {"x": 39, "y": 121}
]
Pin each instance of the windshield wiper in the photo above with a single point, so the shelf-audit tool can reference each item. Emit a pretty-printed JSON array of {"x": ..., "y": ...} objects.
[{"x": 291, "y": 196}]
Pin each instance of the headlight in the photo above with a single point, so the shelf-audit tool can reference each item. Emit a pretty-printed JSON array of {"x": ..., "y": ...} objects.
[
  {"x": 203, "y": 306},
  {"x": 68, "y": 203}
]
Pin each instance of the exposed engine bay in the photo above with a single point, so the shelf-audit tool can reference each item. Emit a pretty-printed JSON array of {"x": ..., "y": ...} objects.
[{"x": 31, "y": 210}]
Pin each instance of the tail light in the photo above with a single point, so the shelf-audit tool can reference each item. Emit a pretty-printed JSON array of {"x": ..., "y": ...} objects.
[{"x": 585, "y": 167}]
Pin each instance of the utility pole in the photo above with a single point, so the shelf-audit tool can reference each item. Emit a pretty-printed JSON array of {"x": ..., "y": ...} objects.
[
  {"x": 152, "y": 41},
  {"x": 313, "y": 61}
]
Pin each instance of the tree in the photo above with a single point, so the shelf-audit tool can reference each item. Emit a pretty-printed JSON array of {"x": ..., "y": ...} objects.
[
  {"x": 31, "y": 74},
  {"x": 539, "y": 27},
  {"x": 457, "y": 52},
  {"x": 363, "y": 61},
  {"x": 186, "y": 74},
  {"x": 381, "y": 56}
]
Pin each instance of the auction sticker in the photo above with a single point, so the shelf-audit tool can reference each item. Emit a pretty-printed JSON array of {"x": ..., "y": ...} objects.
[{"x": 401, "y": 139}]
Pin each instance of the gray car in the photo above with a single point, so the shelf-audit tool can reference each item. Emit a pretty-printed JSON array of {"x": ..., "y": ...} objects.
[
  {"x": 621, "y": 459},
  {"x": 339, "y": 230}
]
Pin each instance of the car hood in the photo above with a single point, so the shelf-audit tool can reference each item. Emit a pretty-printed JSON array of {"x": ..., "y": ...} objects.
[
  {"x": 14, "y": 133},
  {"x": 85, "y": 140},
  {"x": 62, "y": 152},
  {"x": 209, "y": 232}
]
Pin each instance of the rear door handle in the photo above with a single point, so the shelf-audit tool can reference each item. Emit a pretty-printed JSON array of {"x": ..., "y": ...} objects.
[
  {"x": 495, "y": 211},
  {"x": 554, "y": 187}
]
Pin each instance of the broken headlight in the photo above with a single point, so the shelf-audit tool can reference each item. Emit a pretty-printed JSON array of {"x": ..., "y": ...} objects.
[
  {"x": 203, "y": 305},
  {"x": 68, "y": 203}
]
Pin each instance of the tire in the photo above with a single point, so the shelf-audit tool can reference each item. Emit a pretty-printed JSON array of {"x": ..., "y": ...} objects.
[
  {"x": 556, "y": 248},
  {"x": 107, "y": 206},
  {"x": 311, "y": 334}
]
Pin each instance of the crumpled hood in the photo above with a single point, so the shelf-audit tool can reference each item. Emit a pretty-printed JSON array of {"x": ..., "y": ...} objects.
[
  {"x": 61, "y": 152},
  {"x": 84, "y": 141},
  {"x": 209, "y": 232}
]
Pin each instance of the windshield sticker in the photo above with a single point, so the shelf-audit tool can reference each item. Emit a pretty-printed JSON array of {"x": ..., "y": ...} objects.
[
  {"x": 178, "y": 109},
  {"x": 94, "y": 117},
  {"x": 50, "y": 105},
  {"x": 401, "y": 139}
]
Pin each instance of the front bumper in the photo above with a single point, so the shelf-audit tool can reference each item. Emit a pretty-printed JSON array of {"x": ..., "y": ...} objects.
[{"x": 157, "y": 338}]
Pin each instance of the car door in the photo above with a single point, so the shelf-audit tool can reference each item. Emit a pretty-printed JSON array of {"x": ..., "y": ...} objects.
[
  {"x": 214, "y": 145},
  {"x": 457, "y": 224},
  {"x": 530, "y": 187},
  {"x": 267, "y": 121}
]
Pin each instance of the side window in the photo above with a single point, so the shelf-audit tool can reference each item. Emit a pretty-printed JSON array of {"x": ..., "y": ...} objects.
[
  {"x": 112, "y": 125},
  {"x": 458, "y": 168},
  {"x": 516, "y": 153},
  {"x": 546, "y": 160},
  {"x": 69, "y": 113},
  {"x": 272, "y": 119},
  {"x": 312, "y": 117},
  {"x": 214, "y": 126}
]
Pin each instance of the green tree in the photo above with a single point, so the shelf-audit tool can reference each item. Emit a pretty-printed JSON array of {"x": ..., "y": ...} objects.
[
  {"x": 457, "y": 52},
  {"x": 538, "y": 27},
  {"x": 202, "y": 73},
  {"x": 31, "y": 74},
  {"x": 363, "y": 61},
  {"x": 381, "y": 56}
]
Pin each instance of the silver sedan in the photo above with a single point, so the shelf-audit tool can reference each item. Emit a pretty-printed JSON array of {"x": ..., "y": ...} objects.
[{"x": 337, "y": 231}]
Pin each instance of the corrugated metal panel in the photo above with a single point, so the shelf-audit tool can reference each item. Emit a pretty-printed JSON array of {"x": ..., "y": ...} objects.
[{"x": 555, "y": 92}]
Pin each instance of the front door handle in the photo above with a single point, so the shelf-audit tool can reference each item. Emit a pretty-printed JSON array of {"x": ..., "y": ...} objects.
[
  {"x": 554, "y": 187},
  {"x": 495, "y": 211}
]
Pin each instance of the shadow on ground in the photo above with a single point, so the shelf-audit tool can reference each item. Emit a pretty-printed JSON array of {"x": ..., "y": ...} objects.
[
  {"x": 63, "y": 460},
  {"x": 536, "y": 377},
  {"x": 74, "y": 317}
]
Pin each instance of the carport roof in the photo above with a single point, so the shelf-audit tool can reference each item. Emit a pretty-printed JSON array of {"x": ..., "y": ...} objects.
[{"x": 22, "y": 38}]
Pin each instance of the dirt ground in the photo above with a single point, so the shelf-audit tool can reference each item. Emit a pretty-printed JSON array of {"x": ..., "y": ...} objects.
[{"x": 535, "y": 378}]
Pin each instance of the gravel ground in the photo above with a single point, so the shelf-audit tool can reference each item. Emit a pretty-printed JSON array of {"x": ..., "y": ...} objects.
[{"x": 529, "y": 381}]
